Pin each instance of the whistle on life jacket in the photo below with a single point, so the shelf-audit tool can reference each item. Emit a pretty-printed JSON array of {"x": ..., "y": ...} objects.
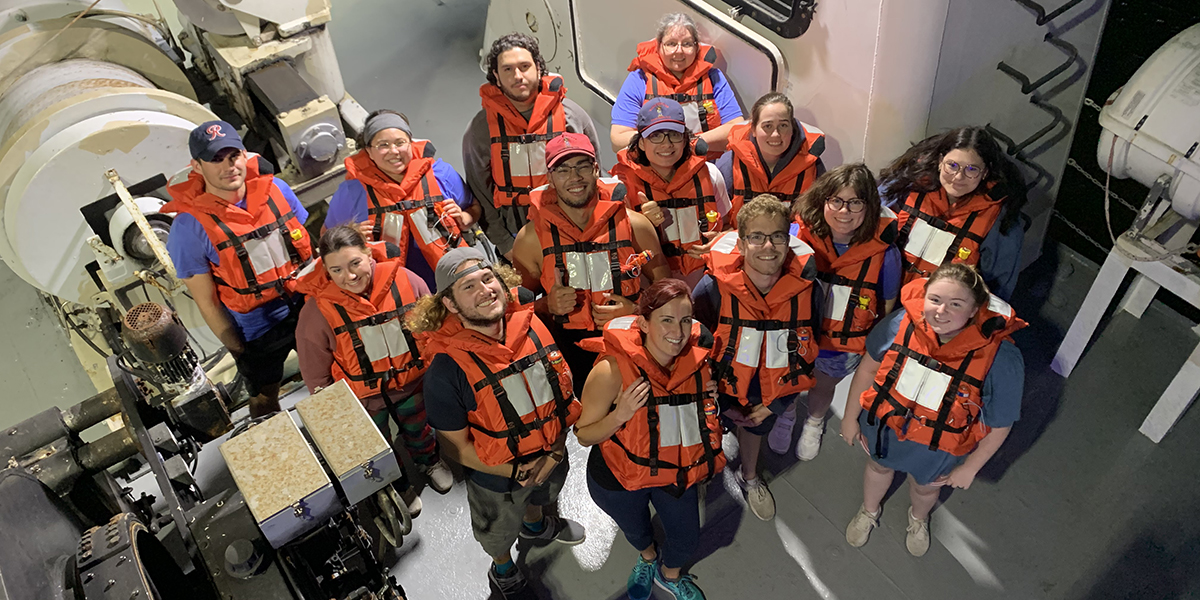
[
  {"x": 633, "y": 265},
  {"x": 964, "y": 253},
  {"x": 712, "y": 216},
  {"x": 297, "y": 234}
]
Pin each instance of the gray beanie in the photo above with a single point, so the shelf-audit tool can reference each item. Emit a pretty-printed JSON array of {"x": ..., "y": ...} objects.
[{"x": 446, "y": 272}]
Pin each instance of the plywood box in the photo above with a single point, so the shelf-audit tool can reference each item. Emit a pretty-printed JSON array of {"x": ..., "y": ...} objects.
[{"x": 359, "y": 456}]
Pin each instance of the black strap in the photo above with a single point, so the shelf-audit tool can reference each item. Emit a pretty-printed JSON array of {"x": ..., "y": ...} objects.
[
  {"x": 504, "y": 139},
  {"x": 515, "y": 427},
  {"x": 374, "y": 209},
  {"x": 701, "y": 111},
  {"x": 960, "y": 233},
  {"x": 856, "y": 285},
  {"x": 367, "y": 373},
  {"x": 559, "y": 264},
  {"x": 748, "y": 193},
  {"x": 239, "y": 248},
  {"x": 796, "y": 360}
]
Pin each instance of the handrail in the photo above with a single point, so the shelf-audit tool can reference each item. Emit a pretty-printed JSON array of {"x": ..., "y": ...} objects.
[
  {"x": 1027, "y": 86},
  {"x": 1040, "y": 11}
]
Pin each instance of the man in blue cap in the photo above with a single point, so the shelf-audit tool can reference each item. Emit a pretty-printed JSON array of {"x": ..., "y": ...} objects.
[{"x": 238, "y": 242}]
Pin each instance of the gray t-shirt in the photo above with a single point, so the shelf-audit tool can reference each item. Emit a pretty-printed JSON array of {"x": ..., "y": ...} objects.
[{"x": 477, "y": 165}]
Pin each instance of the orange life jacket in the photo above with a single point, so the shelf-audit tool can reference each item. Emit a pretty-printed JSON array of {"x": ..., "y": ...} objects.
[
  {"x": 518, "y": 145},
  {"x": 523, "y": 395},
  {"x": 933, "y": 232},
  {"x": 932, "y": 393},
  {"x": 685, "y": 200},
  {"x": 398, "y": 210},
  {"x": 774, "y": 337},
  {"x": 592, "y": 260},
  {"x": 750, "y": 174},
  {"x": 372, "y": 342},
  {"x": 852, "y": 285},
  {"x": 675, "y": 438},
  {"x": 260, "y": 248},
  {"x": 693, "y": 91}
]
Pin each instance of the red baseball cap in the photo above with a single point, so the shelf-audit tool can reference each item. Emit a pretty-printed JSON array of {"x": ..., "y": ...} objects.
[{"x": 567, "y": 145}]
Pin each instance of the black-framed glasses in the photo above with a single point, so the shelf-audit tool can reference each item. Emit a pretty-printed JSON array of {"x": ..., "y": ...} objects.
[
  {"x": 779, "y": 238},
  {"x": 580, "y": 169},
  {"x": 854, "y": 205},
  {"x": 659, "y": 137},
  {"x": 952, "y": 168}
]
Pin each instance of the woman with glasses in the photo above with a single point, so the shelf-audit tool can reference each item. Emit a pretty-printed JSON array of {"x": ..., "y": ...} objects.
[
  {"x": 650, "y": 398},
  {"x": 395, "y": 191},
  {"x": 840, "y": 217},
  {"x": 772, "y": 154},
  {"x": 935, "y": 396},
  {"x": 681, "y": 193},
  {"x": 958, "y": 199},
  {"x": 677, "y": 65}
]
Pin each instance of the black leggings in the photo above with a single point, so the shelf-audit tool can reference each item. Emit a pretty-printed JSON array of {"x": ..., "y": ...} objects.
[{"x": 631, "y": 510}]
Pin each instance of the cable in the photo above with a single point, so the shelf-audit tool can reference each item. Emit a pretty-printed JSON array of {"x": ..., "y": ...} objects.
[{"x": 79, "y": 330}]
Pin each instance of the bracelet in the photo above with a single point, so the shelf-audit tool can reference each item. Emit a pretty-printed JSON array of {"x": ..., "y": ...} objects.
[{"x": 558, "y": 456}]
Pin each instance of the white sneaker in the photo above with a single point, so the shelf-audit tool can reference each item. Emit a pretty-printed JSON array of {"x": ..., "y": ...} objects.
[
  {"x": 918, "y": 535},
  {"x": 439, "y": 476},
  {"x": 780, "y": 437},
  {"x": 860, "y": 527},
  {"x": 760, "y": 499},
  {"x": 810, "y": 438}
]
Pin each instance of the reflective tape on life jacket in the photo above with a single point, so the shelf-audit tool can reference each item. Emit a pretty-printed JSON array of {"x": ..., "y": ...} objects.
[
  {"x": 381, "y": 346},
  {"x": 685, "y": 201},
  {"x": 396, "y": 221},
  {"x": 529, "y": 395},
  {"x": 931, "y": 392},
  {"x": 750, "y": 174},
  {"x": 260, "y": 248},
  {"x": 590, "y": 260},
  {"x": 932, "y": 232},
  {"x": 518, "y": 146},
  {"x": 674, "y": 439},
  {"x": 853, "y": 297},
  {"x": 772, "y": 337}
]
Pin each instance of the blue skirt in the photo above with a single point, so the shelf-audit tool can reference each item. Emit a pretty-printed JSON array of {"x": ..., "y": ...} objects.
[{"x": 914, "y": 458}]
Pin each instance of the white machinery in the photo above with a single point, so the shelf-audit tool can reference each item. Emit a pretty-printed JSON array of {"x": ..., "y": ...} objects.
[
  {"x": 1151, "y": 133},
  {"x": 95, "y": 107}
]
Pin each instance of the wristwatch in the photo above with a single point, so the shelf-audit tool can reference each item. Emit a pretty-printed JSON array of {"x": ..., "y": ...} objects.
[{"x": 558, "y": 456}]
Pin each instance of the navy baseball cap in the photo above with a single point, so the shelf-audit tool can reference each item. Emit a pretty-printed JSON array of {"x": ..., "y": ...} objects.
[
  {"x": 660, "y": 114},
  {"x": 211, "y": 137}
]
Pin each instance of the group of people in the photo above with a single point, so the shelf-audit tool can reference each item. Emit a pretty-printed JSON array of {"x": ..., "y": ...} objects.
[{"x": 721, "y": 280}]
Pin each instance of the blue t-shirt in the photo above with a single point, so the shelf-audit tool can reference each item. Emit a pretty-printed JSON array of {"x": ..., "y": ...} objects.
[
  {"x": 999, "y": 254},
  {"x": 193, "y": 253},
  {"x": 349, "y": 205},
  {"x": 633, "y": 95},
  {"x": 1003, "y": 387}
]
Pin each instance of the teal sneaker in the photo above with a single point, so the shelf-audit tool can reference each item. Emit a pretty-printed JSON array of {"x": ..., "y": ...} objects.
[
  {"x": 641, "y": 579},
  {"x": 684, "y": 588}
]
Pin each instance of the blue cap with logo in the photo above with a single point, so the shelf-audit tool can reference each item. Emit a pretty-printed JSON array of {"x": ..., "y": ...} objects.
[
  {"x": 211, "y": 137},
  {"x": 660, "y": 114}
]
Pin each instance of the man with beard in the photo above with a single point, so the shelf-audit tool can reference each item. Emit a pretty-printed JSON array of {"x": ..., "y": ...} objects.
[
  {"x": 524, "y": 106},
  {"x": 582, "y": 246},
  {"x": 758, "y": 300},
  {"x": 499, "y": 394},
  {"x": 237, "y": 242}
]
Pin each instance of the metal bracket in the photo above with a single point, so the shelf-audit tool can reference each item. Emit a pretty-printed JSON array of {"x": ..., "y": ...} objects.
[{"x": 160, "y": 249}]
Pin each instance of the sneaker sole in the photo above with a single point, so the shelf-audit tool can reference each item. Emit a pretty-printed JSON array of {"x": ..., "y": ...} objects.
[
  {"x": 664, "y": 588},
  {"x": 553, "y": 540}
]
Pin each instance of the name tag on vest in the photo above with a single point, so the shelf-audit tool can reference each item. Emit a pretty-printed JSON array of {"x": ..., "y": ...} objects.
[
  {"x": 750, "y": 346},
  {"x": 682, "y": 224},
  {"x": 922, "y": 384},
  {"x": 928, "y": 242},
  {"x": 678, "y": 426},
  {"x": 527, "y": 159},
  {"x": 267, "y": 253},
  {"x": 588, "y": 271}
]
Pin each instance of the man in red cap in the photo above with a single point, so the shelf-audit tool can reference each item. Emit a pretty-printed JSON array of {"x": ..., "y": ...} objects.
[{"x": 584, "y": 248}]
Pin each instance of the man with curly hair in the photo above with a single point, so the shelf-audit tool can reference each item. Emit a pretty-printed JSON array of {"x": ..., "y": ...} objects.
[
  {"x": 499, "y": 394},
  {"x": 524, "y": 106}
]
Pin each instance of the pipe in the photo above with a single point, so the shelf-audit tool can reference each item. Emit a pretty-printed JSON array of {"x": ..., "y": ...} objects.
[
  {"x": 93, "y": 410},
  {"x": 107, "y": 451}
]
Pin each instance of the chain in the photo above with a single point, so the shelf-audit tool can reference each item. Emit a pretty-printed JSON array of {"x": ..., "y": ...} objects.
[
  {"x": 1088, "y": 102},
  {"x": 1083, "y": 235},
  {"x": 1100, "y": 184}
]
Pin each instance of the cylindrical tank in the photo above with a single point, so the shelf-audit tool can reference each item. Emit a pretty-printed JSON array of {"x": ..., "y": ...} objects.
[
  {"x": 1155, "y": 119},
  {"x": 76, "y": 101}
]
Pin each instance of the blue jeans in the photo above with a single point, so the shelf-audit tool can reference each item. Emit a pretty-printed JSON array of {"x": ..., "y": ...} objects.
[{"x": 631, "y": 510}]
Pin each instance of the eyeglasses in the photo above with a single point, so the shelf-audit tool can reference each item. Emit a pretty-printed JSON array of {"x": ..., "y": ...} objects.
[
  {"x": 659, "y": 137},
  {"x": 952, "y": 168},
  {"x": 581, "y": 169},
  {"x": 854, "y": 205},
  {"x": 385, "y": 146},
  {"x": 674, "y": 46},
  {"x": 779, "y": 238}
]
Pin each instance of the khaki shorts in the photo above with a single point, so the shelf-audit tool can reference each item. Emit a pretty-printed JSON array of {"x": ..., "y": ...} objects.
[{"x": 496, "y": 517}]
